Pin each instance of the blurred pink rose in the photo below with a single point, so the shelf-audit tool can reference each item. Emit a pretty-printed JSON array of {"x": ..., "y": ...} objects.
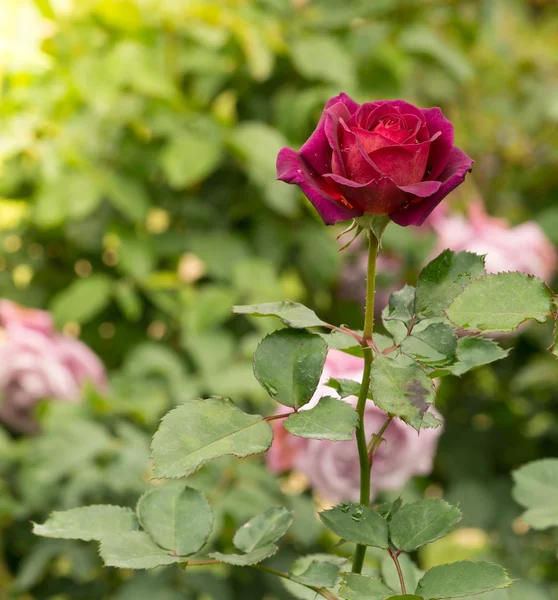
[
  {"x": 36, "y": 362},
  {"x": 332, "y": 468},
  {"x": 522, "y": 248}
]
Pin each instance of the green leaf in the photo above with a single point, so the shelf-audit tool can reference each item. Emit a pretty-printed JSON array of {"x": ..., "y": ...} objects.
[
  {"x": 501, "y": 302},
  {"x": 443, "y": 278},
  {"x": 321, "y": 57},
  {"x": 422, "y": 522},
  {"x": 189, "y": 158},
  {"x": 434, "y": 346},
  {"x": 288, "y": 364},
  {"x": 263, "y": 529},
  {"x": 344, "y": 387},
  {"x": 330, "y": 419},
  {"x": 201, "y": 430},
  {"x": 134, "y": 550},
  {"x": 405, "y": 597},
  {"x": 88, "y": 523},
  {"x": 176, "y": 517},
  {"x": 536, "y": 488},
  {"x": 462, "y": 578},
  {"x": 292, "y": 314},
  {"x": 404, "y": 391},
  {"x": 357, "y": 523},
  {"x": 250, "y": 558},
  {"x": 474, "y": 352},
  {"x": 401, "y": 306},
  {"x": 127, "y": 196},
  {"x": 319, "y": 573},
  {"x": 257, "y": 145},
  {"x": 82, "y": 300},
  {"x": 361, "y": 587}
]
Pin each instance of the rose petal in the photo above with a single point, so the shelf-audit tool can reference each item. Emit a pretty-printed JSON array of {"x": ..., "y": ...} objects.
[
  {"x": 378, "y": 196},
  {"x": 459, "y": 164},
  {"x": 316, "y": 150},
  {"x": 441, "y": 147},
  {"x": 292, "y": 168},
  {"x": 333, "y": 130},
  {"x": 403, "y": 164}
]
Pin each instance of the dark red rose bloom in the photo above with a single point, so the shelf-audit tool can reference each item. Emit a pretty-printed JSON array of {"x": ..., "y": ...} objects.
[{"x": 381, "y": 158}]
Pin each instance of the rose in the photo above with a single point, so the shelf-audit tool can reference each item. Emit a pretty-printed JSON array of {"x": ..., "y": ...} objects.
[
  {"x": 36, "y": 362},
  {"x": 333, "y": 468},
  {"x": 384, "y": 158},
  {"x": 522, "y": 248}
]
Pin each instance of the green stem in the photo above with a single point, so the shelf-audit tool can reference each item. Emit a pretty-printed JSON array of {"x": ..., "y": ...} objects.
[
  {"x": 364, "y": 459},
  {"x": 319, "y": 590},
  {"x": 322, "y": 591}
]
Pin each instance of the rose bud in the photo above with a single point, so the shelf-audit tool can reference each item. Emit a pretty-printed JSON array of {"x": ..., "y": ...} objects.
[
  {"x": 383, "y": 158},
  {"x": 333, "y": 468}
]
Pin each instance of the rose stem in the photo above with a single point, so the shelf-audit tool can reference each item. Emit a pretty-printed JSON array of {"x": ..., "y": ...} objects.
[
  {"x": 395, "y": 558},
  {"x": 322, "y": 591},
  {"x": 373, "y": 246}
]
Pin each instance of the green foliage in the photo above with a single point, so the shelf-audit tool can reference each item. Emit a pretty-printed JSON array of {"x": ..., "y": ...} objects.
[
  {"x": 88, "y": 523},
  {"x": 330, "y": 419},
  {"x": 256, "y": 538},
  {"x": 288, "y": 364},
  {"x": 357, "y": 523},
  {"x": 535, "y": 488},
  {"x": 176, "y": 517},
  {"x": 263, "y": 529},
  {"x": 443, "y": 278},
  {"x": 434, "y": 345},
  {"x": 137, "y": 166},
  {"x": 310, "y": 571},
  {"x": 405, "y": 391},
  {"x": 485, "y": 305},
  {"x": 420, "y": 523},
  {"x": 462, "y": 579},
  {"x": 361, "y": 587},
  {"x": 201, "y": 430},
  {"x": 474, "y": 351},
  {"x": 134, "y": 550},
  {"x": 292, "y": 314}
]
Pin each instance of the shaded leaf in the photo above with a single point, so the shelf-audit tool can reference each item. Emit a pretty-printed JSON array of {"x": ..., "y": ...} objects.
[
  {"x": 401, "y": 306},
  {"x": 134, "y": 550},
  {"x": 319, "y": 573},
  {"x": 201, "y": 430},
  {"x": 536, "y": 488},
  {"x": 361, "y": 587},
  {"x": 288, "y": 364},
  {"x": 434, "y": 346},
  {"x": 176, "y": 517},
  {"x": 263, "y": 529},
  {"x": 501, "y": 302},
  {"x": 330, "y": 419}
]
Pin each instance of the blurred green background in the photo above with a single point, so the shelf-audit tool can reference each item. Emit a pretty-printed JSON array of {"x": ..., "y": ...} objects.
[{"x": 138, "y": 202}]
